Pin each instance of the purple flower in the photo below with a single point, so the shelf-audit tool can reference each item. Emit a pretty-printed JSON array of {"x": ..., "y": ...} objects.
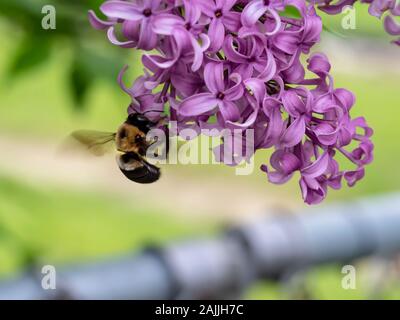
[
  {"x": 298, "y": 108},
  {"x": 236, "y": 66},
  {"x": 353, "y": 176},
  {"x": 138, "y": 18},
  {"x": 302, "y": 34},
  {"x": 222, "y": 19},
  {"x": 251, "y": 56},
  {"x": 221, "y": 94},
  {"x": 391, "y": 26},
  {"x": 186, "y": 33},
  {"x": 257, "y": 9},
  {"x": 285, "y": 164},
  {"x": 143, "y": 100},
  {"x": 314, "y": 181}
]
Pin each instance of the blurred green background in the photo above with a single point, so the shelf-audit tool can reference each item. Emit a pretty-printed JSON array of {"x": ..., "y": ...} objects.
[{"x": 55, "y": 210}]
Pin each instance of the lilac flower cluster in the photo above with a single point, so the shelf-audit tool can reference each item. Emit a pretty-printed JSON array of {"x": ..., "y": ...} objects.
[
  {"x": 390, "y": 9},
  {"x": 236, "y": 64}
]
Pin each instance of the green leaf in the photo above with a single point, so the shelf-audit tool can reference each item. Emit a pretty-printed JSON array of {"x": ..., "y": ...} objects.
[
  {"x": 90, "y": 65},
  {"x": 80, "y": 82},
  {"x": 32, "y": 51},
  {"x": 331, "y": 31},
  {"x": 102, "y": 64},
  {"x": 290, "y": 12}
]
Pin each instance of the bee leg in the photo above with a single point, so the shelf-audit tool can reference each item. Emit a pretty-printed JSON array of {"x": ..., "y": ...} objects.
[{"x": 166, "y": 132}]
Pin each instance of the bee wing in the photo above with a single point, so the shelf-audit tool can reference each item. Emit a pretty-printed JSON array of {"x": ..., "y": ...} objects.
[{"x": 96, "y": 142}]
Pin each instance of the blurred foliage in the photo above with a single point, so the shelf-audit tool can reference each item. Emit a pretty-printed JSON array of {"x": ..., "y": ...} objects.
[
  {"x": 58, "y": 225},
  {"x": 93, "y": 56},
  {"x": 325, "y": 282},
  {"x": 365, "y": 24}
]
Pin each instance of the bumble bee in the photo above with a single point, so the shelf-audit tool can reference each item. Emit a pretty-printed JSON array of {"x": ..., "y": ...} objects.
[{"x": 131, "y": 143}]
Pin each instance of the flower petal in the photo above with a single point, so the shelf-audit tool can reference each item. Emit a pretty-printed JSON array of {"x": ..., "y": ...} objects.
[
  {"x": 236, "y": 91},
  {"x": 257, "y": 88},
  {"x": 353, "y": 176},
  {"x": 247, "y": 123},
  {"x": 226, "y": 5},
  {"x": 121, "y": 10},
  {"x": 326, "y": 133},
  {"x": 161, "y": 62},
  {"x": 391, "y": 26},
  {"x": 317, "y": 168},
  {"x": 229, "y": 110},
  {"x": 270, "y": 68},
  {"x": 214, "y": 77},
  {"x": 216, "y": 33},
  {"x": 252, "y": 12},
  {"x": 231, "y": 53},
  {"x": 113, "y": 39},
  {"x": 98, "y": 23},
  {"x": 198, "y": 104},
  {"x": 312, "y": 191},
  {"x": 166, "y": 23},
  {"x": 147, "y": 37},
  {"x": 231, "y": 21},
  {"x": 292, "y": 103},
  {"x": 294, "y": 133},
  {"x": 197, "y": 53},
  {"x": 278, "y": 23}
]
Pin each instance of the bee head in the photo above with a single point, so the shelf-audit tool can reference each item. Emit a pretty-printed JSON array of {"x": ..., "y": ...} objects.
[
  {"x": 131, "y": 139},
  {"x": 140, "y": 121}
]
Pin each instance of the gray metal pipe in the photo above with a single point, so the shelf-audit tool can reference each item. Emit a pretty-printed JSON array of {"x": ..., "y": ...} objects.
[
  {"x": 224, "y": 266},
  {"x": 134, "y": 277},
  {"x": 333, "y": 233}
]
